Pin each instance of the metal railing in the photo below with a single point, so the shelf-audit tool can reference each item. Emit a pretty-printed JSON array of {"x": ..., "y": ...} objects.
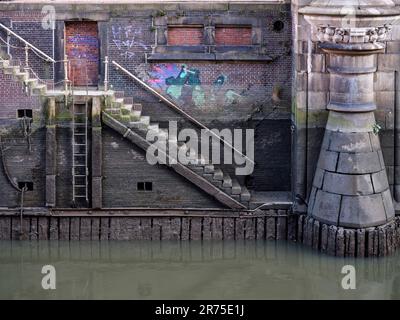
[
  {"x": 27, "y": 44},
  {"x": 179, "y": 110}
]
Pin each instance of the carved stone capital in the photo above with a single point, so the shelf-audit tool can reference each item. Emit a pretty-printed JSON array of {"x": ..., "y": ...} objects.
[{"x": 327, "y": 33}]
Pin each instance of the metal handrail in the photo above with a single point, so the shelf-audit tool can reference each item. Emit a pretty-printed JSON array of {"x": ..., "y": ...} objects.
[
  {"x": 48, "y": 58},
  {"x": 175, "y": 107}
]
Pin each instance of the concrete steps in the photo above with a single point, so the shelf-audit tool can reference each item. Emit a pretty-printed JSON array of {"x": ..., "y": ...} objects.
[
  {"x": 23, "y": 76},
  {"x": 130, "y": 114}
]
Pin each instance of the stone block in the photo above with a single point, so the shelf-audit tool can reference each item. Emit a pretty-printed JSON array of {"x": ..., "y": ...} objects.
[
  {"x": 380, "y": 181},
  {"x": 318, "y": 82},
  {"x": 358, "y": 163},
  {"x": 352, "y": 185},
  {"x": 362, "y": 211},
  {"x": 328, "y": 160},
  {"x": 388, "y": 204},
  {"x": 318, "y": 65},
  {"x": 318, "y": 178},
  {"x": 350, "y": 122},
  {"x": 388, "y": 62},
  {"x": 393, "y": 47},
  {"x": 317, "y": 100},
  {"x": 375, "y": 142},
  {"x": 301, "y": 62},
  {"x": 327, "y": 207},
  {"x": 385, "y": 99},
  {"x": 395, "y": 32},
  {"x": 350, "y": 142},
  {"x": 384, "y": 81}
]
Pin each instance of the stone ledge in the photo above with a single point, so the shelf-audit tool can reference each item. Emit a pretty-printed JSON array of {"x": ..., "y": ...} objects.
[{"x": 193, "y": 56}]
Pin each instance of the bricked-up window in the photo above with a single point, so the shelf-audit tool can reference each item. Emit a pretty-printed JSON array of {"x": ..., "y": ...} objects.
[
  {"x": 233, "y": 35},
  {"x": 25, "y": 184},
  {"x": 22, "y": 113},
  {"x": 145, "y": 186},
  {"x": 185, "y": 35}
]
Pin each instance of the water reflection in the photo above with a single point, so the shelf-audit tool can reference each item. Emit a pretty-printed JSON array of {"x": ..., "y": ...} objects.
[{"x": 189, "y": 270}]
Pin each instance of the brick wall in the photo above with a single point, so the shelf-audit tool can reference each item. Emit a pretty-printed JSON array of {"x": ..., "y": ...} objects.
[
  {"x": 185, "y": 36},
  {"x": 233, "y": 35},
  {"x": 82, "y": 48}
]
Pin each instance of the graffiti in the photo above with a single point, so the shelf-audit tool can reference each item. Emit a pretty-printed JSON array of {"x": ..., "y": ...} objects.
[
  {"x": 84, "y": 40},
  {"x": 184, "y": 85},
  {"x": 126, "y": 38}
]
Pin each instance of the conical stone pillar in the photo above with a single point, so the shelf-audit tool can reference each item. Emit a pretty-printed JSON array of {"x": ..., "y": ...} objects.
[
  {"x": 350, "y": 187},
  {"x": 350, "y": 208}
]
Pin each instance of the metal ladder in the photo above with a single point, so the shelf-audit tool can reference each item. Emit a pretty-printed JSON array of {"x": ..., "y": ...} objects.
[{"x": 80, "y": 170}]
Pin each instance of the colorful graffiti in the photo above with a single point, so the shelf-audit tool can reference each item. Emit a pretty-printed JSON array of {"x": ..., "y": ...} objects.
[
  {"x": 184, "y": 85},
  {"x": 126, "y": 38}
]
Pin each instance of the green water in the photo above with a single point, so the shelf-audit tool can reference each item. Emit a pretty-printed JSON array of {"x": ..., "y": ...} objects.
[{"x": 189, "y": 270}]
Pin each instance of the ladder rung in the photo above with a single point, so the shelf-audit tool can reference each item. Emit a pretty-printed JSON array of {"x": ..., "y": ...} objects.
[
  {"x": 79, "y": 113},
  {"x": 80, "y": 165},
  {"x": 80, "y": 196},
  {"x": 80, "y": 186},
  {"x": 79, "y": 175},
  {"x": 80, "y": 124},
  {"x": 79, "y": 134},
  {"x": 79, "y": 144},
  {"x": 80, "y": 154}
]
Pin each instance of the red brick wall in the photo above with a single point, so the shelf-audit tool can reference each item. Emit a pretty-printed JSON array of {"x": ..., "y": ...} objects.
[
  {"x": 83, "y": 45},
  {"x": 235, "y": 36},
  {"x": 178, "y": 36}
]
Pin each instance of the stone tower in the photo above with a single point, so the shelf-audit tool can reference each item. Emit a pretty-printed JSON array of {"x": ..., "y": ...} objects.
[{"x": 350, "y": 190}]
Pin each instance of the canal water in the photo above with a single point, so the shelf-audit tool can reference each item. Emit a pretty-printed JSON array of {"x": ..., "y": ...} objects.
[{"x": 189, "y": 270}]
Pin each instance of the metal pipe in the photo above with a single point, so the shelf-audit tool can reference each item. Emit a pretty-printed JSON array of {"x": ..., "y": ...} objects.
[
  {"x": 106, "y": 73},
  {"x": 9, "y": 31}
]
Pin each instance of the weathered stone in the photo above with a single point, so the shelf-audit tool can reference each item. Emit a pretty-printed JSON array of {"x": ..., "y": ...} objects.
[
  {"x": 384, "y": 81},
  {"x": 326, "y": 207},
  {"x": 388, "y": 204},
  {"x": 350, "y": 142},
  {"x": 348, "y": 184},
  {"x": 327, "y": 160},
  {"x": 380, "y": 181},
  {"x": 362, "y": 211},
  {"x": 318, "y": 178},
  {"x": 324, "y": 238},
  {"x": 359, "y": 163},
  {"x": 350, "y": 122}
]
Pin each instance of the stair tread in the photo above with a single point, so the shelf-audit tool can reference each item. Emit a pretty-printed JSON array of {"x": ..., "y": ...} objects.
[{"x": 236, "y": 187}]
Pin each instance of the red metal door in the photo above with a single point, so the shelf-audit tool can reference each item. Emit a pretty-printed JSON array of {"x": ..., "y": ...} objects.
[{"x": 82, "y": 49}]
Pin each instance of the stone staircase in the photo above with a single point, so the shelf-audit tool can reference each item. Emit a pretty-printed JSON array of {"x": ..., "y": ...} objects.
[
  {"x": 23, "y": 76},
  {"x": 130, "y": 116},
  {"x": 122, "y": 114}
]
